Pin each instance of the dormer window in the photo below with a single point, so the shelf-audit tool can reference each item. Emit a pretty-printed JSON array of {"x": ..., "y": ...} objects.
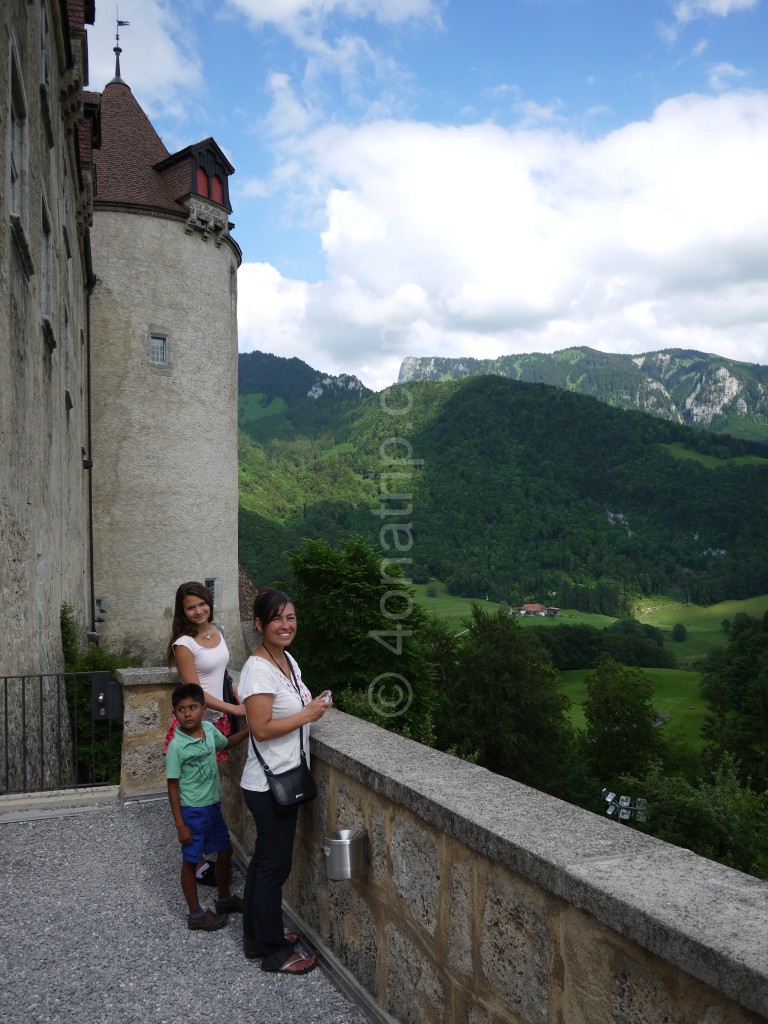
[{"x": 210, "y": 171}]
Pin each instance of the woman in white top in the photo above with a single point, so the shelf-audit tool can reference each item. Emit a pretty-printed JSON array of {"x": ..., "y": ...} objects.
[{"x": 278, "y": 706}]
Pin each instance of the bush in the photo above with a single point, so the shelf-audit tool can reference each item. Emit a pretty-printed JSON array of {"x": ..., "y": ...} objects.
[{"x": 722, "y": 820}]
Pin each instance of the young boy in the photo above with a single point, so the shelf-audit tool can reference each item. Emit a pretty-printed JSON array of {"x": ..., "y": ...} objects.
[{"x": 194, "y": 793}]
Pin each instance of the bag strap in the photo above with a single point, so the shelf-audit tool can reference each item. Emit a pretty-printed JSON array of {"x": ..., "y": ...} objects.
[{"x": 264, "y": 765}]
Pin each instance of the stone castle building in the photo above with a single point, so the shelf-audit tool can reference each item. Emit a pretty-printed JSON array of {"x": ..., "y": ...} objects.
[{"x": 118, "y": 349}]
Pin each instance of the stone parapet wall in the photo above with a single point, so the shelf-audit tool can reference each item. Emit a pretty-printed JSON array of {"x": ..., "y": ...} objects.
[
  {"x": 147, "y": 713},
  {"x": 489, "y": 902}
]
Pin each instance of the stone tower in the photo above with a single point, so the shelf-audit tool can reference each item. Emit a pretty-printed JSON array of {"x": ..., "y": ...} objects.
[{"x": 164, "y": 377}]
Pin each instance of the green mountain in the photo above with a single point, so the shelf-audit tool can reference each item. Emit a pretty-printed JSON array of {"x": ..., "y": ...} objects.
[
  {"x": 700, "y": 390},
  {"x": 277, "y": 395},
  {"x": 500, "y": 487}
]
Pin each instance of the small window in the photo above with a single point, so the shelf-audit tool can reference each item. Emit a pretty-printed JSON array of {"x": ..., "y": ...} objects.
[
  {"x": 217, "y": 190},
  {"x": 158, "y": 349},
  {"x": 212, "y": 584},
  {"x": 202, "y": 182}
]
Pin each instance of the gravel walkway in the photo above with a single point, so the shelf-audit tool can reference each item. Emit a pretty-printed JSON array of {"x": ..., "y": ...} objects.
[{"x": 93, "y": 931}]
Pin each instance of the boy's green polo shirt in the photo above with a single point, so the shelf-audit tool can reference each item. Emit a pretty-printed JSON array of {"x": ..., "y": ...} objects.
[{"x": 193, "y": 762}]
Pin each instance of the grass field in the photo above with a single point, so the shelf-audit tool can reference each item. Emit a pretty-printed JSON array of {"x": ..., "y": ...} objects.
[
  {"x": 456, "y": 610},
  {"x": 678, "y": 451},
  {"x": 675, "y": 693},
  {"x": 253, "y": 407},
  {"x": 703, "y": 626}
]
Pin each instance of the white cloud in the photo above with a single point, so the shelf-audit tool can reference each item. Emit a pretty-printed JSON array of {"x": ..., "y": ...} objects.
[
  {"x": 723, "y": 76},
  {"x": 478, "y": 240},
  {"x": 288, "y": 115},
  {"x": 302, "y": 18},
  {"x": 270, "y": 308},
  {"x": 690, "y": 10},
  {"x": 687, "y": 11}
]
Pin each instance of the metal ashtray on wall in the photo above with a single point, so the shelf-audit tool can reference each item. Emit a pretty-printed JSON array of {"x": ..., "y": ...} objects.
[{"x": 346, "y": 854}]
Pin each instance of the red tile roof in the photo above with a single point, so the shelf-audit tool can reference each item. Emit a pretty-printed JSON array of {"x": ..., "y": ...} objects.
[{"x": 130, "y": 147}]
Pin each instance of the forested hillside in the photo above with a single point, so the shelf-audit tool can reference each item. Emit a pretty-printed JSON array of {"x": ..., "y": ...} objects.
[
  {"x": 514, "y": 490},
  {"x": 695, "y": 388}
]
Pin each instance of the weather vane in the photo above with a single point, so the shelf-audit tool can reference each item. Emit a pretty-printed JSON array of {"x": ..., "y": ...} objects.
[
  {"x": 120, "y": 25},
  {"x": 117, "y": 50}
]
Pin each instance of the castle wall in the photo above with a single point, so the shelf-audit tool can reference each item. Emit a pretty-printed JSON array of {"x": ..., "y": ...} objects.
[
  {"x": 43, "y": 364},
  {"x": 164, "y": 434}
]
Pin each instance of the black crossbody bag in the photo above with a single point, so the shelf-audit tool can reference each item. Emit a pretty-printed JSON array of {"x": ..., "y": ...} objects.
[{"x": 295, "y": 785}]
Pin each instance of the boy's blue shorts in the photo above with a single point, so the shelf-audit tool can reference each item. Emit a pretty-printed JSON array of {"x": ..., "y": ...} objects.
[{"x": 209, "y": 831}]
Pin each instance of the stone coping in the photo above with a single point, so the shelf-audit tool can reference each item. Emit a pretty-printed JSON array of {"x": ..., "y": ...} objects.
[
  {"x": 39, "y": 804},
  {"x": 148, "y": 676},
  {"x": 700, "y": 916}
]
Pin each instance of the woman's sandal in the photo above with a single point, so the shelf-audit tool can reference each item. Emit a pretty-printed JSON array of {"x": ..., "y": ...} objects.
[
  {"x": 293, "y": 963},
  {"x": 302, "y": 965}
]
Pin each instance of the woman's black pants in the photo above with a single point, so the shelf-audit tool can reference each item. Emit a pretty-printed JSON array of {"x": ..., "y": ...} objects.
[{"x": 269, "y": 868}]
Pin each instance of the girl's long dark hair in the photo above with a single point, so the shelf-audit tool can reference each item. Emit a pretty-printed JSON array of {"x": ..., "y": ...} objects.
[{"x": 181, "y": 625}]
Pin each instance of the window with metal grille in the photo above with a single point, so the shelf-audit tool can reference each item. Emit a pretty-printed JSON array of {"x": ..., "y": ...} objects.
[{"x": 158, "y": 348}]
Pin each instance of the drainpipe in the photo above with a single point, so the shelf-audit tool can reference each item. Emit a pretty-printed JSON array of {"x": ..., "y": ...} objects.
[{"x": 93, "y": 635}]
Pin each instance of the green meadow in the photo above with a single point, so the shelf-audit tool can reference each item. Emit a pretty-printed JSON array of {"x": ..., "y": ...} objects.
[
  {"x": 678, "y": 451},
  {"x": 254, "y": 407},
  {"x": 676, "y": 691},
  {"x": 456, "y": 611},
  {"x": 704, "y": 626}
]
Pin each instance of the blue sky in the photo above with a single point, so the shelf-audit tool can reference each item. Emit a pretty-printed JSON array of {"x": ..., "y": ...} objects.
[{"x": 473, "y": 177}]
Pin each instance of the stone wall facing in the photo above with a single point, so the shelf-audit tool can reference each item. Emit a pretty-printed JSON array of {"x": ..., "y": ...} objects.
[
  {"x": 44, "y": 445},
  {"x": 489, "y": 902}
]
